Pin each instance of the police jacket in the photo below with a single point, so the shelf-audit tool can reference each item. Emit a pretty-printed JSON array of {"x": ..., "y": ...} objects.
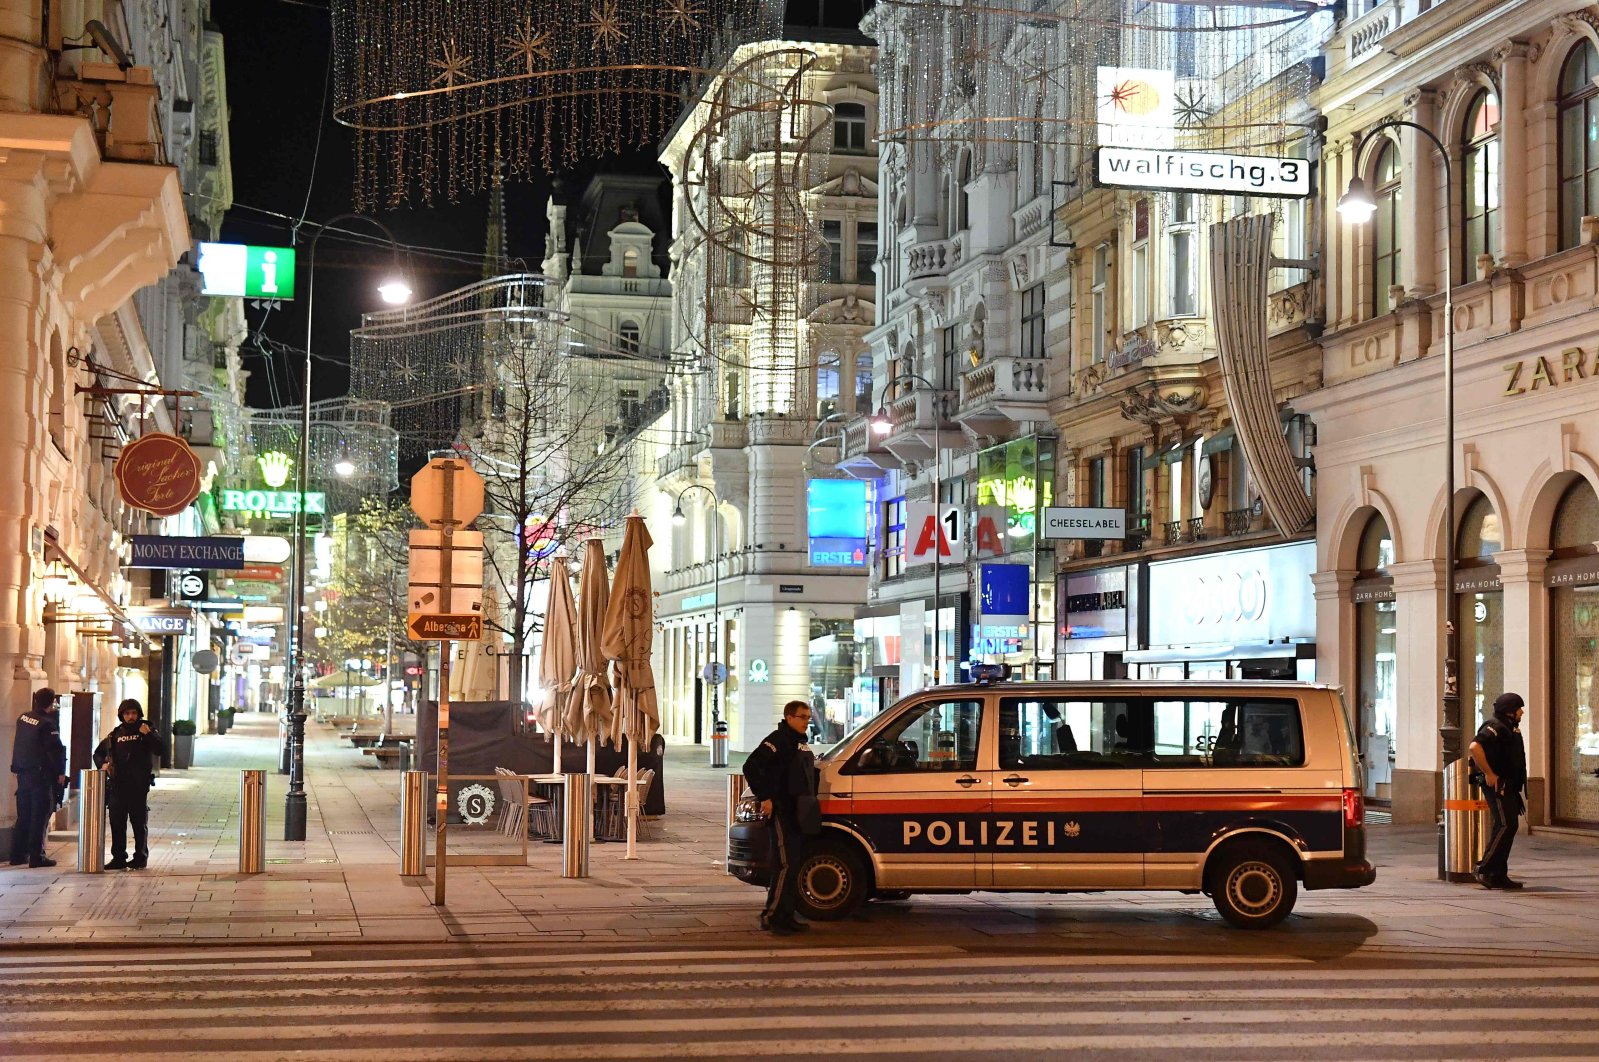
[
  {"x": 781, "y": 769},
  {"x": 131, "y": 755},
  {"x": 38, "y": 749},
  {"x": 1506, "y": 752}
]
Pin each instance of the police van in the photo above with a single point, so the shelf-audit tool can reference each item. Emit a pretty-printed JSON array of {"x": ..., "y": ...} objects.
[{"x": 1246, "y": 791}]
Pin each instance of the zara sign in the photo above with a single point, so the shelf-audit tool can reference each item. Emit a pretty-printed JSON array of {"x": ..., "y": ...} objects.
[{"x": 1245, "y": 596}]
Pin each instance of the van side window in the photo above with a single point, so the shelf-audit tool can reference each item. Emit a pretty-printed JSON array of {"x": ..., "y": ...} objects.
[
  {"x": 1232, "y": 732},
  {"x": 1057, "y": 734},
  {"x": 935, "y": 736}
]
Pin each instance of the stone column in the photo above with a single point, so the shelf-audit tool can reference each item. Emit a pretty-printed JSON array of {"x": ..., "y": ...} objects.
[
  {"x": 1419, "y": 199},
  {"x": 1513, "y": 206},
  {"x": 1335, "y": 630},
  {"x": 1336, "y": 236},
  {"x": 1526, "y": 663},
  {"x": 1419, "y": 596}
]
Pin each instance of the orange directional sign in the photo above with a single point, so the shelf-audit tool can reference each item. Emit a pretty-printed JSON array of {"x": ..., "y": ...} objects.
[{"x": 427, "y": 627}]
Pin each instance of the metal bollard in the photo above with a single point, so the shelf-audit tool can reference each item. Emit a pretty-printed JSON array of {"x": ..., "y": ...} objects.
[
  {"x": 735, "y": 791},
  {"x": 719, "y": 744},
  {"x": 252, "y": 822},
  {"x": 91, "y": 821},
  {"x": 413, "y": 824},
  {"x": 578, "y": 809},
  {"x": 1465, "y": 824}
]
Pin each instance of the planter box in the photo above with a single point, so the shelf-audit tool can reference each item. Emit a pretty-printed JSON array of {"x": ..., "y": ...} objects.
[{"x": 182, "y": 751}]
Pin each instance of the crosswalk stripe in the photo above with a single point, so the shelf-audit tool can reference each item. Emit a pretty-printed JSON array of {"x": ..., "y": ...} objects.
[{"x": 1067, "y": 1021}]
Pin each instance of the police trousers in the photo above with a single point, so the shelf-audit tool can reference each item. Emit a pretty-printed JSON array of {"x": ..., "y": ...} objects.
[
  {"x": 36, "y": 799},
  {"x": 129, "y": 804},
  {"x": 1503, "y": 810},
  {"x": 782, "y": 888}
]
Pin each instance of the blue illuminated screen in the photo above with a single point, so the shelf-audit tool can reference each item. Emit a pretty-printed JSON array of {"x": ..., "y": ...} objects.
[{"x": 836, "y": 511}]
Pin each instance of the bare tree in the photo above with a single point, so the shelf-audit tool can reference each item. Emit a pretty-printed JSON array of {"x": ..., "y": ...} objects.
[{"x": 552, "y": 441}]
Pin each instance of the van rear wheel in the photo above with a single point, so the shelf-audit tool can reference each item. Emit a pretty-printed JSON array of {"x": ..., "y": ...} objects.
[
  {"x": 1253, "y": 886},
  {"x": 832, "y": 881}
]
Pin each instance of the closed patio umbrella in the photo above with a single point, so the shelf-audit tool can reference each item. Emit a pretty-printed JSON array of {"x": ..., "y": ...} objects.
[
  {"x": 588, "y": 710},
  {"x": 627, "y": 639},
  {"x": 558, "y": 655}
]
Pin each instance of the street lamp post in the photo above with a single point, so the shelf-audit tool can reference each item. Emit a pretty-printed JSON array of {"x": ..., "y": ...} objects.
[
  {"x": 882, "y": 425},
  {"x": 679, "y": 519},
  {"x": 1357, "y": 205},
  {"x": 393, "y": 290}
]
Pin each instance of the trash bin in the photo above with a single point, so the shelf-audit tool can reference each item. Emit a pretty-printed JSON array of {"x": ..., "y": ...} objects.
[
  {"x": 719, "y": 744},
  {"x": 1463, "y": 831}
]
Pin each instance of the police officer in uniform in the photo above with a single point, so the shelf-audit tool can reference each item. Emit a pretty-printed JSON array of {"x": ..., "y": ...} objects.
[
  {"x": 1500, "y": 758},
  {"x": 128, "y": 756},
  {"x": 782, "y": 774},
  {"x": 39, "y": 761}
]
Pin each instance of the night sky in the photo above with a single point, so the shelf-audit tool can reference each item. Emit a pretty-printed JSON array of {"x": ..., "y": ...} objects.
[{"x": 279, "y": 93}]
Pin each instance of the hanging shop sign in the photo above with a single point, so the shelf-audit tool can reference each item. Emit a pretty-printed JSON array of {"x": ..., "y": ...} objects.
[
  {"x": 191, "y": 586},
  {"x": 162, "y": 624},
  {"x": 1088, "y": 523},
  {"x": 931, "y": 531},
  {"x": 1201, "y": 171},
  {"x": 1137, "y": 108},
  {"x": 760, "y": 672},
  {"x": 158, "y": 473},
  {"x": 247, "y": 271},
  {"x": 161, "y": 551},
  {"x": 273, "y": 502}
]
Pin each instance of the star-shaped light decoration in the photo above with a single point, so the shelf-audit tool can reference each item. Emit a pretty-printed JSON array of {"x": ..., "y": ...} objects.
[
  {"x": 1191, "y": 108},
  {"x": 460, "y": 367},
  {"x": 606, "y": 24},
  {"x": 451, "y": 65},
  {"x": 408, "y": 371},
  {"x": 683, "y": 15},
  {"x": 528, "y": 45}
]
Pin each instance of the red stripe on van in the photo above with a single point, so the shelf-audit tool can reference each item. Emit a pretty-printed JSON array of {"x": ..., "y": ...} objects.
[{"x": 1243, "y": 802}]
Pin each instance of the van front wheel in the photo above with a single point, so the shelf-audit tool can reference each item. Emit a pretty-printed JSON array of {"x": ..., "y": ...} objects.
[
  {"x": 832, "y": 881},
  {"x": 1253, "y": 886}
]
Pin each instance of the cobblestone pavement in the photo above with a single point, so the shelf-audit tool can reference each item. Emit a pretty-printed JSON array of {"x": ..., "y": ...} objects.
[{"x": 343, "y": 884}]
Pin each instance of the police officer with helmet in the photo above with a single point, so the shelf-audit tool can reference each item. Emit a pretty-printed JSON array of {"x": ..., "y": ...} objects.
[
  {"x": 128, "y": 756},
  {"x": 1499, "y": 757},
  {"x": 39, "y": 760}
]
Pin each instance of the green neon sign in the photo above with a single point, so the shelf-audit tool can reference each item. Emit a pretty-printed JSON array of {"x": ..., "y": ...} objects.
[
  {"x": 273, "y": 502},
  {"x": 246, "y": 270}
]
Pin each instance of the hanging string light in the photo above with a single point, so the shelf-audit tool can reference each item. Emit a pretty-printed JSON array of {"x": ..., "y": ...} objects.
[{"x": 432, "y": 88}]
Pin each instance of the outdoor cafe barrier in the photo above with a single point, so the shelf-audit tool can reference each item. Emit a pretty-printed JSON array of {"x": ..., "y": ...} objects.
[
  {"x": 413, "y": 823},
  {"x": 91, "y": 821},
  {"x": 578, "y": 821},
  {"x": 252, "y": 822},
  {"x": 1464, "y": 826}
]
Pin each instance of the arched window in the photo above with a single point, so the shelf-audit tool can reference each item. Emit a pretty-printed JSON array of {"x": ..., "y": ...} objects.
[
  {"x": 863, "y": 383},
  {"x": 1385, "y": 232},
  {"x": 1480, "y": 537},
  {"x": 629, "y": 336},
  {"x": 828, "y": 370},
  {"x": 1481, "y": 202},
  {"x": 1579, "y": 133},
  {"x": 1376, "y": 551},
  {"x": 960, "y": 198},
  {"x": 1574, "y": 607},
  {"x": 630, "y": 262},
  {"x": 849, "y": 128}
]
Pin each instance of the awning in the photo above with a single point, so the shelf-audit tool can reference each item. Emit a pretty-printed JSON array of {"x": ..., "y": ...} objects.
[
  {"x": 1222, "y": 440},
  {"x": 1169, "y": 456},
  {"x": 53, "y": 551}
]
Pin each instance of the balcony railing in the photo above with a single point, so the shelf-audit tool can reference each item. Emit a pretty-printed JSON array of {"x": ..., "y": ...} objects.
[
  {"x": 1238, "y": 521},
  {"x": 934, "y": 260}
]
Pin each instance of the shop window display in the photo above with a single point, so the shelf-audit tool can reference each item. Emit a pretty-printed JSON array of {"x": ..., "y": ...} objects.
[
  {"x": 1481, "y": 603},
  {"x": 1574, "y": 600},
  {"x": 1377, "y": 619}
]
